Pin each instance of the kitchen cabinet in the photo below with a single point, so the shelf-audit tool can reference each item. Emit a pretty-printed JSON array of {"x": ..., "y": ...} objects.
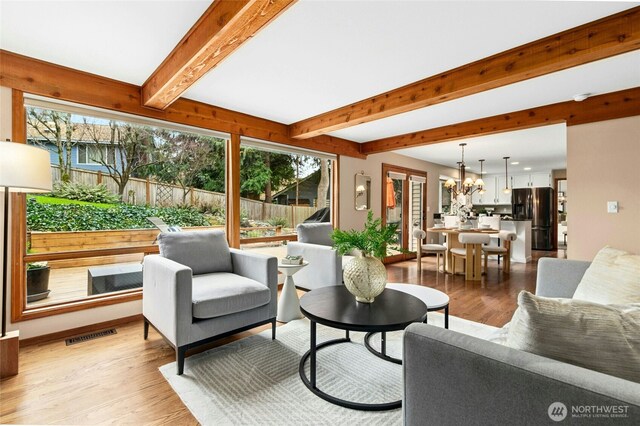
[
  {"x": 490, "y": 192},
  {"x": 531, "y": 180}
]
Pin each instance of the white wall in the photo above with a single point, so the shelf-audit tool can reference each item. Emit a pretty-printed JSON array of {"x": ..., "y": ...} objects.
[
  {"x": 62, "y": 322},
  {"x": 372, "y": 166}
]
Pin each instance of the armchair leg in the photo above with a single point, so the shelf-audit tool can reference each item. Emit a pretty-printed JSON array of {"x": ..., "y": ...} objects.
[
  {"x": 146, "y": 329},
  {"x": 273, "y": 329},
  {"x": 180, "y": 353}
]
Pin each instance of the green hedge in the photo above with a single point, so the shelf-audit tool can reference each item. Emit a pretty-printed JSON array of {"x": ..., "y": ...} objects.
[{"x": 73, "y": 217}]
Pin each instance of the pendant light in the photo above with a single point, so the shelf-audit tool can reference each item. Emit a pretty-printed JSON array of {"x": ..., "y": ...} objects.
[
  {"x": 506, "y": 189},
  {"x": 479, "y": 181},
  {"x": 465, "y": 187}
]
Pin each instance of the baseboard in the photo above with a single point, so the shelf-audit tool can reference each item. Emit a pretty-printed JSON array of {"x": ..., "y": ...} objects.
[{"x": 59, "y": 335}]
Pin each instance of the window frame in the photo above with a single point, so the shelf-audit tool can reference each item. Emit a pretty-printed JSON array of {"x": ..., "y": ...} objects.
[
  {"x": 18, "y": 231},
  {"x": 88, "y": 162}
]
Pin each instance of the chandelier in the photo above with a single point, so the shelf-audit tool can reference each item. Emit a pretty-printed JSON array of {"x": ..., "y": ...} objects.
[{"x": 466, "y": 186}]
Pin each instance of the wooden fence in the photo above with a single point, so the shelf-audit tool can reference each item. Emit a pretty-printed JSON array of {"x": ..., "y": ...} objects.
[{"x": 145, "y": 191}]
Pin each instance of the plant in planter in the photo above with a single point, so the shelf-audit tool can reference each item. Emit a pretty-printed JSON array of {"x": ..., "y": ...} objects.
[
  {"x": 365, "y": 276},
  {"x": 37, "y": 281}
]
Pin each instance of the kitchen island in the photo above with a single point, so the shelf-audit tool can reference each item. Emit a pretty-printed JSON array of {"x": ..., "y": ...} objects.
[{"x": 521, "y": 247}]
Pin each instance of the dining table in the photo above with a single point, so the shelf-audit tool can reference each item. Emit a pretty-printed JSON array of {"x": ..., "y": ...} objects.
[{"x": 474, "y": 270}]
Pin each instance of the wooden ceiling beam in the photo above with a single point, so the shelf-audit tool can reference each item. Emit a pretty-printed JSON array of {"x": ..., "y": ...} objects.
[
  {"x": 625, "y": 103},
  {"x": 221, "y": 30},
  {"x": 610, "y": 36},
  {"x": 54, "y": 81}
]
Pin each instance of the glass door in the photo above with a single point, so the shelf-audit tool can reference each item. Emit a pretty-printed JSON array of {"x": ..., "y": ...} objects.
[{"x": 404, "y": 204}]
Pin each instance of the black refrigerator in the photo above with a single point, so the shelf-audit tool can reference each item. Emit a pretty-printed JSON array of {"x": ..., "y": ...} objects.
[{"x": 536, "y": 205}]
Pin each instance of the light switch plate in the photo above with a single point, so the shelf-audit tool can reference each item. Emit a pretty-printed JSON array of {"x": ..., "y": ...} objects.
[{"x": 612, "y": 207}]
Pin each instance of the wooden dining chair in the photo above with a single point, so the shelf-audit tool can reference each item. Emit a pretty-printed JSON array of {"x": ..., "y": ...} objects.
[
  {"x": 471, "y": 254},
  {"x": 504, "y": 251}
]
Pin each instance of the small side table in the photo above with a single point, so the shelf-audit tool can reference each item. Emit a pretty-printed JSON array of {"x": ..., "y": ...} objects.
[{"x": 289, "y": 304}]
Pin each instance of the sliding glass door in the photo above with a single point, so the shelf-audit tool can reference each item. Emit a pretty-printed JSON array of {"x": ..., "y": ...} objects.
[{"x": 404, "y": 204}]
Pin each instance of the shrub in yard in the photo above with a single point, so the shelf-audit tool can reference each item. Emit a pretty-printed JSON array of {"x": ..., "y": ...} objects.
[
  {"x": 74, "y": 217},
  {"x": 278, "y": 221},
  {"x": 83, "y": 192}
]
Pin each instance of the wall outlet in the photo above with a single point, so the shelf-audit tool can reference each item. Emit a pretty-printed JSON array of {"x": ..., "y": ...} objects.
[{"x": 612, "y": 207}]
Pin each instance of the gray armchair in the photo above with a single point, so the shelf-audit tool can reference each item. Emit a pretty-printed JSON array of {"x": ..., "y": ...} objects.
[
  {"x": 315, "y": 246},
  {"x": 198, "y": 290}
]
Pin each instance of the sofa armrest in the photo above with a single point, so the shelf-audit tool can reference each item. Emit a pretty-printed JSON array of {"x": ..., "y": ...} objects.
[
  {"x": 559, "y": 277},
  {"x": 324, "y": 269},
  {"x": 452, "y": 378},
  {"x": 167, "y": 297},
  {"x": 260, "y": 268}
]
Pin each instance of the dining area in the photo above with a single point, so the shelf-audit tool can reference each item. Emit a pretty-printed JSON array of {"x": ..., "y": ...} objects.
[{"x": 467, "y": 249}]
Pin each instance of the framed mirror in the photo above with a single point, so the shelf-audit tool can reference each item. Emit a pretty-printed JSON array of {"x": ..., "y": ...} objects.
[{"x": 362, "y": 192}]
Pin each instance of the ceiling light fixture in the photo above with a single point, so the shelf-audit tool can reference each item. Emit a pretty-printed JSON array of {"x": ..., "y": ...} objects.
[
  {"x": 479, "y": 181},
  {"x": 515, "y": 163},
  {"x": 527, "y": 168},
  {"x": 506, "y": 189},
  {"x": 581, "y": 97},
  {"x": 465, "y": 186}
]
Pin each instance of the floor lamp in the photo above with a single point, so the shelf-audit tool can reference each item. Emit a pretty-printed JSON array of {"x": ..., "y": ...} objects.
[{"x": 23, "y": 168}]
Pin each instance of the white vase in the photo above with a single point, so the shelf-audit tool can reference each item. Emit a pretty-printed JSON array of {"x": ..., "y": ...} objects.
[{"x": 365, "y": 278}]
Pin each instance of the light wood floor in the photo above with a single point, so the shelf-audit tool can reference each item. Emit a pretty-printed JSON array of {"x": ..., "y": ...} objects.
[{"x": 115, "y": 379}]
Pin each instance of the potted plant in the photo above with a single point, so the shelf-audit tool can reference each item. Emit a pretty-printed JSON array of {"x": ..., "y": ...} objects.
[
  {"x": 37, "y": 281},
  {"x": 365, "y": 276}
]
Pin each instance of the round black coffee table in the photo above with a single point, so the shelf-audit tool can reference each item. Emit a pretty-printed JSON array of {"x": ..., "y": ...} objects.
[{"x": 337, "y": 308}]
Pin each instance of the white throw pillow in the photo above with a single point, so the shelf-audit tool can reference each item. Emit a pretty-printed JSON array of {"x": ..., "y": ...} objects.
[
  {"x": 612, "y": 278},
  {"x": 604, "y": 338}
]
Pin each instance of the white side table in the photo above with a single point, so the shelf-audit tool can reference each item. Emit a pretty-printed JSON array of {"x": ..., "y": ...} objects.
[{"x": 289, "y": 304}]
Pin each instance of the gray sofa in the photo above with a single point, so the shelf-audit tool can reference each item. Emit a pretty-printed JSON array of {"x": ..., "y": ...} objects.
[{"x": 454, "y": 379}]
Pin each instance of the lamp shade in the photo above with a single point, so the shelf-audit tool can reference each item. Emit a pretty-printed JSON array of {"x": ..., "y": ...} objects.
[{"x": 24, "y": 168}]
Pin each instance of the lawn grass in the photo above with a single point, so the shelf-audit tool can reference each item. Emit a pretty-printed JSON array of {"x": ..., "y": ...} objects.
[{"x": 43, "y": 199}]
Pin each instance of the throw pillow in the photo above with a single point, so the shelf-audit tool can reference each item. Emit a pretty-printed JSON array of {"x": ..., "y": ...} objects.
[
  {"x": 604, "y": 338},
  {"x": 204, "y": 252},
  {"x": 612, "y": 278}
]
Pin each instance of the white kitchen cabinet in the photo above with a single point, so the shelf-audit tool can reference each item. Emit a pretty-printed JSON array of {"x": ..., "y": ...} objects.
[
  {"x": 531, "y": 180},
  {"x": 539, "y": 180},
  {"x": 520, "y": 181}
]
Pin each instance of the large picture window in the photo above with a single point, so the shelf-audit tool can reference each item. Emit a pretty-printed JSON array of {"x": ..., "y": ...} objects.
[{"x": 117, "y": 180}]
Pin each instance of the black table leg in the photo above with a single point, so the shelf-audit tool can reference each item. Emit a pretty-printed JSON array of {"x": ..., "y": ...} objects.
[
  {"x": 312, "y": 366},
  {"x": 446, "y": 317},
  {"x": 383, "y": 343}
]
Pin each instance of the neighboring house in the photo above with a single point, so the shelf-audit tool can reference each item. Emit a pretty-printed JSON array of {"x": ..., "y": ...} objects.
[
  {"x": 85, "y": 153},
  {"x": 307, "y": 192}
]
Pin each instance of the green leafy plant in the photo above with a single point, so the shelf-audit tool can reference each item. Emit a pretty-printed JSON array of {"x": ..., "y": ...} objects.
[
  {"x": 372, "y": 241},
  {"x": 278, "y": 221},
  {"x": 76, "y": 217},
  {"x": 83, "y": 192}
]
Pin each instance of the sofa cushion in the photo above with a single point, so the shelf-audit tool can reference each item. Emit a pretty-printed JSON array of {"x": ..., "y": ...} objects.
[
  {"x": 222, "y": 293},
  {"x": 612, "y": 278},
  {"x": 315, "y": 233},
  {"x": 202, "y": 251},
  {"x": 604, "y": 338}
]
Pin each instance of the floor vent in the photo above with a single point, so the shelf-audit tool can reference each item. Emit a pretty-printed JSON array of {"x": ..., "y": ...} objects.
[{"x": 90, "y": 336}]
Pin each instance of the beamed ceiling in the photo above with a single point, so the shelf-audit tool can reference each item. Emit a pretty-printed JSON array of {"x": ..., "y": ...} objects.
[{"x": 388, "y": 75}]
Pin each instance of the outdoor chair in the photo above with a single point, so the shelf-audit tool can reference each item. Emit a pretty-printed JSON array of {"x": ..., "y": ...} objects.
[{"x": 198, "y": 290}]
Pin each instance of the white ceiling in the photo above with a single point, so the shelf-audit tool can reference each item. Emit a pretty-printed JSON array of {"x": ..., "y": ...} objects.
[
  {"x": 604, "y": 76},
  {"x": 320, "y": 55},
  {"x": 541, "y": 148},
  {"x": 123, "y": 40}
]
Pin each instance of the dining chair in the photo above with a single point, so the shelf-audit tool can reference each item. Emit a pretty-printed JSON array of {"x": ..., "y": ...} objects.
[
  {"x": 504, "y": 251},
  {"x": 438, "y": 249},
  {"x": 471, "y": 254}
]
